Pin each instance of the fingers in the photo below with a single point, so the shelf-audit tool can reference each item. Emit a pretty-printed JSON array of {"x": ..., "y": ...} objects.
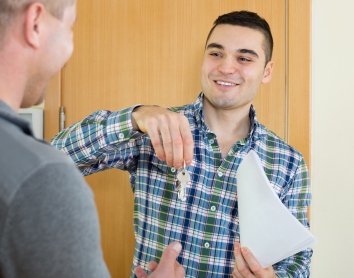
[
  {"x": 156, "y": 142},
  {"x": 179, "y": 271},
  {"x": 177, "y": 140},
  {"x": 254, "y": 265},
  {"x": 241, "y": 269},
  {"x": 168, "y": 263},
  {"x": 188, "y": 142},
  {"x": 251, "y": 261},
  {"x": 170, "y": 254},
  {"x": 170, "y": 142},
  {"x": 167, "y": 266},
  {"x": 169, "y": 133},
  {"x": 182, "y": 144},
  {"x": 247, "y": 266},
  {"x": 139, "y": 272},
  {"x": 152, "y": 266}
]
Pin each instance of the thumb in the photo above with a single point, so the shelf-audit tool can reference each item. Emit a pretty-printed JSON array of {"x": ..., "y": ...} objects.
[{"x": 170, "y": 253}]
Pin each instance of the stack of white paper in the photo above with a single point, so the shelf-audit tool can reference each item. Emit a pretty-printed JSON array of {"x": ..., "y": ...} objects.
[{"x": 267, "y": 227}]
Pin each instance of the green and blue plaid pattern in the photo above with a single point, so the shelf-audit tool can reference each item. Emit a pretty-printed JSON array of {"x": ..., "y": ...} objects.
[{"x": 207, "y": 223}]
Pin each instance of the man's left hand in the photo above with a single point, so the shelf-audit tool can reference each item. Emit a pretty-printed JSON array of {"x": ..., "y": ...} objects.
[{"x": 246, "y": 266}]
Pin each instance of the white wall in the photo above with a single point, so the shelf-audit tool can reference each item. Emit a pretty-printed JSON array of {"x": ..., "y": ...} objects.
[{"x": 332, "y": 217}]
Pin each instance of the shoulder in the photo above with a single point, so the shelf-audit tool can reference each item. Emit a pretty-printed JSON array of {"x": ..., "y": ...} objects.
[
  {"x": 47, "y": 211},
  {"x": 284, "y": 166},
  {"x": 273, "y": 143},
  {"x": 53, "y": 215},
  {"x": 24, "y": 157},
  {"x": 279, "y": 159}
]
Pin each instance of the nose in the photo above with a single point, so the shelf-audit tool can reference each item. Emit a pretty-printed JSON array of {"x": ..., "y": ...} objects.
[{"x": 227, "y": 66}]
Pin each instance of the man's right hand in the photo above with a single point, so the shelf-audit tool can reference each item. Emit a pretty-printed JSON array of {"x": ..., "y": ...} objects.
[
  {"x": 169, "y": 132},
  {"x": 168, "y": 266}
]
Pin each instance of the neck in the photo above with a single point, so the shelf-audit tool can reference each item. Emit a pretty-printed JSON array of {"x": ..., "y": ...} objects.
[
  {"x": 232, "y": 122},
  {"x": 230, "y": 126},
  {"x": 12, "y": 75},
  {"x": 11, "y": 92}
]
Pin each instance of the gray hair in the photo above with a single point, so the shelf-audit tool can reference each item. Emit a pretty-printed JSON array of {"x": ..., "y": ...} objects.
[{"x": 10, "y": 9}]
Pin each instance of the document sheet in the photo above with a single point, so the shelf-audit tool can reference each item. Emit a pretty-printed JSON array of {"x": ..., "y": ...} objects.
[{"x": 267, "y": 227}]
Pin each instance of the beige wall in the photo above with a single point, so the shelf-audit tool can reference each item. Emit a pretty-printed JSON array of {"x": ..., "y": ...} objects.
[{"x": 333, "y": 137}]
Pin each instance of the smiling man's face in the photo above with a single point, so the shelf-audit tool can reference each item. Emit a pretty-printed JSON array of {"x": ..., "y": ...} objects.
[{"x": 233, "y": 67}]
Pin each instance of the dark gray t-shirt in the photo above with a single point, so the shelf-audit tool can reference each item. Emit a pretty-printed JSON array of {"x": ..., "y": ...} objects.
[{"x": 48, "y": 220}]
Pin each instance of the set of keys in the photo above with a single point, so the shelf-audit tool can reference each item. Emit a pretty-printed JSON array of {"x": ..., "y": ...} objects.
[{"x": 183, "y": 178}]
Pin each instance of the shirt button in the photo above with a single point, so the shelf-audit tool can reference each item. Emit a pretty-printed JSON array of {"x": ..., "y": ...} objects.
[
  {"x": 220, "y": 174},
  {"x": 121, "y": 135},
  {"x": 173, "y": 169},
  {"x": 213, "y": 208},
  {"x": 206, "y": 245},
  {"x": 211, "y": 141}
]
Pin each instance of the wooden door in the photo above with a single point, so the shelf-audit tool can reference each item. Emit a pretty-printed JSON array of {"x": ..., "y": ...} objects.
[{"x": 150, "y": 52}]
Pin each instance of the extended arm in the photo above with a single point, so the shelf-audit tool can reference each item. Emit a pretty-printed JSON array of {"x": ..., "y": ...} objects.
[
  {"x": 107, "y": 139},
  {"x": 101, "y": 141}
]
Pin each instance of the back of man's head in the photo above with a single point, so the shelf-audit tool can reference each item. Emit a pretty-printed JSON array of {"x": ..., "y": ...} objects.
[
  {"x": 249, "y": 20},
  {"x": 10, "y": 9}
]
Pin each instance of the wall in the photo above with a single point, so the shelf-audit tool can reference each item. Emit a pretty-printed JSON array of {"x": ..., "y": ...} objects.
[{"x": 332, "y": 137}]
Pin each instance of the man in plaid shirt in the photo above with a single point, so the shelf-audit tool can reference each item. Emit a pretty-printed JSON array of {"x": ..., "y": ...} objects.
[{"x": 211, "y": 136}]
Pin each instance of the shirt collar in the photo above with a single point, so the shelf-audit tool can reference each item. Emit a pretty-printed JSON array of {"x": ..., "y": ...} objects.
[
  {"x": 199, "y": 112},
  {"x": 256, "y": 130},
  {"x": 253, "y": 119},
  {"x": 9, "y": 115}
]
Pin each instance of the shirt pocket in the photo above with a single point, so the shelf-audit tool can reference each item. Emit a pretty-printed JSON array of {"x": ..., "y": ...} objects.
[
  {"x": 161, "y": 184},
  {"x": 160, "y": 165}
]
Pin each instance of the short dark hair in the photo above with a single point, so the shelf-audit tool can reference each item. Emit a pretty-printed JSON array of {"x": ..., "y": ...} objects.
[{"x": 250, "y": 20}]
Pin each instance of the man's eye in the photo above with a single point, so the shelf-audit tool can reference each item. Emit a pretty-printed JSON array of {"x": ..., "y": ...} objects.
[
  {"x": 215, "y": 54},
  {"x": 243, "y": 59}
]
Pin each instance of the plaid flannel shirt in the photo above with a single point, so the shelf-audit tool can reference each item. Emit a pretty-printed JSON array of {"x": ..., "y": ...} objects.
[{"x": 207, "y": 223}]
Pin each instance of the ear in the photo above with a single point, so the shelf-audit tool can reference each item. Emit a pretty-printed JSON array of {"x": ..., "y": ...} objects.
[
  {"x": 34, "y": 17},
  {"x": 268, "y": 71}
]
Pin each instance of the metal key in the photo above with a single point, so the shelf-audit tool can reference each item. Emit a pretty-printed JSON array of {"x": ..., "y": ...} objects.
[{"x": 183, "y": 177}]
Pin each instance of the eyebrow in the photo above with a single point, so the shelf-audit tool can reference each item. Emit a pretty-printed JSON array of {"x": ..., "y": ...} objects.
[
  {"x": 242, "y": 50},
  {"x": 214, "y": 45},
  {"x": 249, "y": 51}
]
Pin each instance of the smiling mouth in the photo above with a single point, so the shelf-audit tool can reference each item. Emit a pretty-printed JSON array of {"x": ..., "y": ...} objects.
[{"x": 222, "y": 83}]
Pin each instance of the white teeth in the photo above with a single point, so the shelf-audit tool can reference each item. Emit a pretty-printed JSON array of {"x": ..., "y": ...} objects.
[{"x": 225, "y": 83}]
